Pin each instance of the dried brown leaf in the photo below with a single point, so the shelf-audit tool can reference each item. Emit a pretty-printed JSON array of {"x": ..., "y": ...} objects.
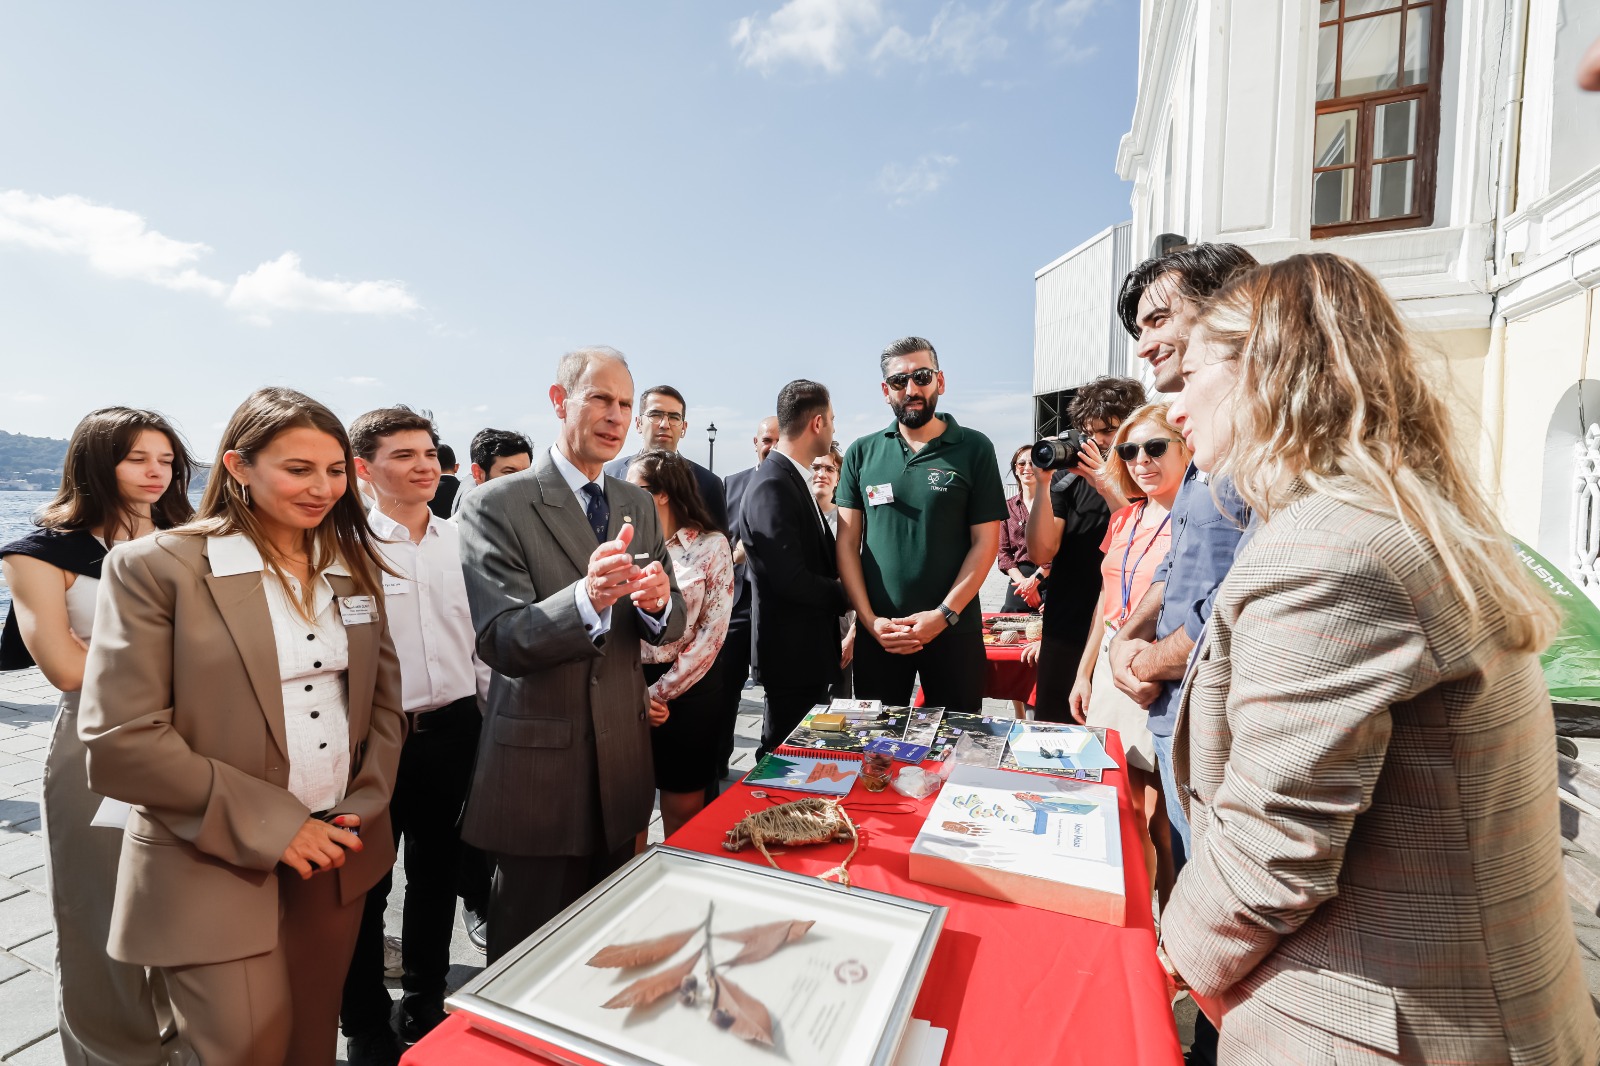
[
  {"x": 762, "y": 940},
  {"x": 642, "y": 952},
  {"x": 646, "y": 990},
  {"x": 751, "y": 1020}
]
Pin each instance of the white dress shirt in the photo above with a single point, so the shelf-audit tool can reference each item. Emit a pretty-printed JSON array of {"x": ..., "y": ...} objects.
[
  {"x": 597, "y": 623},
  {"x": 313, "y": 658},
  {"x": 429, "y": 619}
]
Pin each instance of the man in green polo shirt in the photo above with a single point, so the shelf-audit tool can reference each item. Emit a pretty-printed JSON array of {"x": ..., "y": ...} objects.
[{"x": 920, "y": 507}]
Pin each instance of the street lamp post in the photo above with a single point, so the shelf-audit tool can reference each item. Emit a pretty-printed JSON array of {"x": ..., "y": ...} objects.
[{"x": 711, "y": 452}]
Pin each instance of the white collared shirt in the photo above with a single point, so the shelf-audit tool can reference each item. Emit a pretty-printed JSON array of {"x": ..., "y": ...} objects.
[
  {"x": 596, "y": 623},
  {"x": 429, "y": 619},
  {"x": 313, "y": 658}
]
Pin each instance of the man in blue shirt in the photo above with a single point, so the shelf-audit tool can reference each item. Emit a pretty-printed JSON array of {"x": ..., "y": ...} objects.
[{"x": 1159, "y": 304}]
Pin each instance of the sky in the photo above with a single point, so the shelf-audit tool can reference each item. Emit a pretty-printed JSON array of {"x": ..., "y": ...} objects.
[{"x": 428, "y": 204}]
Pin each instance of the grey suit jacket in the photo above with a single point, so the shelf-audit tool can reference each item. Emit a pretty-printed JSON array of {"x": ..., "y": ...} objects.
[
  {"x": 564, "y": 764},
  {"x": 1376, "y": 865}
]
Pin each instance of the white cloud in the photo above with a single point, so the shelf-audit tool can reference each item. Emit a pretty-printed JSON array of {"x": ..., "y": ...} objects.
[
  {"x": 958, "y": 37},
  {"x": 114, "y": 242},
  {"x": 905, "y": 183},
  {"x": 1057, "y": 21},
  {"x": 23, "y": 397},
  {"x": 280, "y": 285},
  {"x": 121, "y": 244},
  {"x": 815, "y": 33},
  {"x": 359, "y": 380}
]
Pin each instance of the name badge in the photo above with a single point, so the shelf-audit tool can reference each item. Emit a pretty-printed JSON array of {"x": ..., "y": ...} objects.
[
  {"x": 395, "y": 586},
  {"x": 357, "y": 610},
  {"x": 877, "y": 495}
]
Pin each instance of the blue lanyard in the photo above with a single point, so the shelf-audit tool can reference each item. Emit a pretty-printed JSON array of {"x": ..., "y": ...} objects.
[{"x": 1126, "y": 577}]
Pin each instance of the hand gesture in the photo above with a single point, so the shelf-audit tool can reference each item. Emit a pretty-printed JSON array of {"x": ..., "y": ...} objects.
[
  {"x": 1028, "y": 590},
  {"x": 1078, "y": 701},
  {"x": 653, "y": 589},
  {"x": 924, "y": 626},
  {"x": 319, "y": 846},
  {"x": 895, "y": 636},
  {"x": 658, "y": 711},
  {"x": 1123, "y": 653},
  {"x": 612, "y": 574},
  {"x": 1030, "y": 653},
  {"x": 847, "y": 648}
]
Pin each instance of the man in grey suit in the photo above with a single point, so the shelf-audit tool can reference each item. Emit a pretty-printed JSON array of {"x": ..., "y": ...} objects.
[{"x": 564, "y": 779}]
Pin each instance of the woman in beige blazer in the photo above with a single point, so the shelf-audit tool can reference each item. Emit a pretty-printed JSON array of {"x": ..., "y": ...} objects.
[
  {"x": 1365, "y": 746},
  {"x": 242, "y": 694}
]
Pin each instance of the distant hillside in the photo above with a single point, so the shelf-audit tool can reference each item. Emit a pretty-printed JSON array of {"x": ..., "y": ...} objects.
[
  {"x": 23, "y": 458},
  {"x": 21, "y": 455}
]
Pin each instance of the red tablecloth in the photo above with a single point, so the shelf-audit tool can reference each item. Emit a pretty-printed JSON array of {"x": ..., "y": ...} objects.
[{"x": 1011, "y": 984}]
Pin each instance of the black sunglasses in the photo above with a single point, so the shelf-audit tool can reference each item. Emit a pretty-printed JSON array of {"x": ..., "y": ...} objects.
[
  {"x": 1155, "y": 448},
  {"x": 921, "y": 376}
]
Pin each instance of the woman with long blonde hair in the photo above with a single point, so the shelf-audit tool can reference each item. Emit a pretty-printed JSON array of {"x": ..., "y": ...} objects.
[
  {"x": 242, "y": 694},
  {"x": 1365, "y": 738}
]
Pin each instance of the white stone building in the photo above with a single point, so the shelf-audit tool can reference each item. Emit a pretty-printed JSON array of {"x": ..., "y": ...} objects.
[{"x": 1441, "y": 143}]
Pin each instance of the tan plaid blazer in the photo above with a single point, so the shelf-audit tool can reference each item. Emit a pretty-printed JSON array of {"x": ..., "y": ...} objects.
[{"x": 1376, "y": 864}]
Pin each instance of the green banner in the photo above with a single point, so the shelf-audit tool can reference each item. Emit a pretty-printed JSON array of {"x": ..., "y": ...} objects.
[{"x": 1572, "y": 662}]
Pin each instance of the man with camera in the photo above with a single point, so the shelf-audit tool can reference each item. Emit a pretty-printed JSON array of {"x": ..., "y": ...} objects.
[
  {"x": 920, "y": 507},
  {"x": 1066, "y": 526}
]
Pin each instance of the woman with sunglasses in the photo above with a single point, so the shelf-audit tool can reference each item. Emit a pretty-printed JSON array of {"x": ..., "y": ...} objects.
[{"x": 1147, "y": 467}]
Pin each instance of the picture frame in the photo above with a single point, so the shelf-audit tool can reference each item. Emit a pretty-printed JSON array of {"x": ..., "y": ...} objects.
[{"x": 686, "y": 959}]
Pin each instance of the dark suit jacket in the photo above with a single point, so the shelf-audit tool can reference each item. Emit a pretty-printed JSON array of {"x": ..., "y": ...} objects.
[
  {"x": 798, "y": 597},
  {"x": 564, "y": 765},
  {"x": 736, "y": 484},
  {"x": 444, "y": 495},
  {"x": 709, "y": 484}
]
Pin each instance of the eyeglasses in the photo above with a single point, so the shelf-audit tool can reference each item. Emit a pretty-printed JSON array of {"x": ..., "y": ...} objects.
[
  {"x": 671, "y": 418},
  {"x": 1155, "y": 448},
  {"x": 922, "y": 376}
]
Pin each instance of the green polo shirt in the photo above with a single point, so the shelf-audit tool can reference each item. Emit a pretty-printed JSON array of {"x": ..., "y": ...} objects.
[{"x": 915, "y": 542}]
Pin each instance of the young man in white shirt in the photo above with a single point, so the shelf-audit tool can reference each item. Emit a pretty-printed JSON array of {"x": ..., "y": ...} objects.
[{"x": 431, "y": 624}]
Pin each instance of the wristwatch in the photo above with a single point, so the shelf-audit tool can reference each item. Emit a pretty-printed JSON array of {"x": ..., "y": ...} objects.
[
  {"x": 950, "y": 617},
  {"x": 1172, "y": 971}
]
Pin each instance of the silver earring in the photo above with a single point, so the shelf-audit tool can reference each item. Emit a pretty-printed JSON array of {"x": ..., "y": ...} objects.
[{"x": 244, "y": 490}]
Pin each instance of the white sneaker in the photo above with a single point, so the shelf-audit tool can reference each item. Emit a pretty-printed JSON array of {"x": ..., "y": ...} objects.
[{"x": 392, "y": 966}]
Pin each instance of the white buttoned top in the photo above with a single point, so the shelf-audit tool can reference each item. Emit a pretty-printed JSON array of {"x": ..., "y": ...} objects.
[{"x": 313, "y": 657}]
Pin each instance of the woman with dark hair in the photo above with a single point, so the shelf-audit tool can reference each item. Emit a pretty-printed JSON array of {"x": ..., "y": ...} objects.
[
  {"x": 1024, "y": 592},
  {"x": 242, "y": 694},
  {"x": 683, "y": 676},
  {"x": 127, "y": 475}
]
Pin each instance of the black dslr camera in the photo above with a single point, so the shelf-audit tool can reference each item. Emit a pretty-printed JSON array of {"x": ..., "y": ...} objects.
[{"x": 1059, "y": 452}]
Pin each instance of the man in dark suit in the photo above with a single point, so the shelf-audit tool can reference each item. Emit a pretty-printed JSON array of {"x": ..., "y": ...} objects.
[
  {"x": 790, "y": 553},
  {"x": 662, "y": 423},
  {"x": 564, "y": 780},
  {"x": 444, "y": 497},
  {"x": 734, "y": 658}
]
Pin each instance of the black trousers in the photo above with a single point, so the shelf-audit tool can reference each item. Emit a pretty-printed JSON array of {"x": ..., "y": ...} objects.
[
  {"x": 785, "y": 708},
  {"x": 1059, "y": 655},
  {"x": 429, "y": 790},
  {"x": 529, "y": 890},
  {"x": 951, "y": 667},
  {"x": 734, "y": 662}
]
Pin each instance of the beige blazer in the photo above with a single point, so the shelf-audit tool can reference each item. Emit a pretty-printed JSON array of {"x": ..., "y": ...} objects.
[
  {"x": 1376, "y": 863},
  {"x": 182, "y": 714}
]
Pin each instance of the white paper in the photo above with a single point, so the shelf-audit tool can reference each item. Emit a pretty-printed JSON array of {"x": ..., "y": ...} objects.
[{"x": 111, "y": 814}]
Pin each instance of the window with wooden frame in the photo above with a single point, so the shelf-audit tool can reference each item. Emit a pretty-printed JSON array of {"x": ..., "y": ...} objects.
[{"x": 1376, "y": 142}]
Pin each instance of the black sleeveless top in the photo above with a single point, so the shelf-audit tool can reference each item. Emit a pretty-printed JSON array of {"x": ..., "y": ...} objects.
[{"x": 76, "y": 550}]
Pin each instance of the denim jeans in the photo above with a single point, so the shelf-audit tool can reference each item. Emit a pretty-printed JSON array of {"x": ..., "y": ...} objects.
[{"x": 1169, "y": 796}]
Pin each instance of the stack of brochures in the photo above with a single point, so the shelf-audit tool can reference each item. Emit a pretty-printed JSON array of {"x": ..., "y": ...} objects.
[{"x": 1041, "y": 841}]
